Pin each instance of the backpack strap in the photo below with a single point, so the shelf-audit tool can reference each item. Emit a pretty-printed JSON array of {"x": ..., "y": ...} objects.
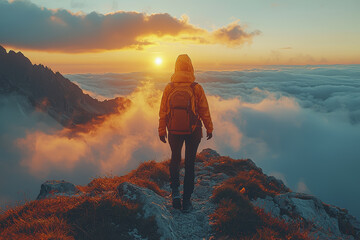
[
  {"x": 192, "y": 85},
  {"x": 172, "y": 87}
]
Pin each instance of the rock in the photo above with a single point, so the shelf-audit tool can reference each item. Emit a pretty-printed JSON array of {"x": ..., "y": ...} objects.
[
  {"x": 172, "y": 224},
  {"x": 277, "y": 182},
  {"x": 219, "y": 177},
  {"x": 326, "y": 221},
  {"x": 268, "y": 205},
  {"x": 208, "y": 154},
  {"x": 153, "y": 205},
  {"x": 348, "y": 224},
  {"x": 134, "y": 234},
  {"x": 55, "y": 188}
]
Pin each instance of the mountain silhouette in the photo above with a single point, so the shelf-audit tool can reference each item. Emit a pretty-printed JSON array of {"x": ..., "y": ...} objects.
[
  {"x": 233, "y": 199},
  {"x": 51, "y": 92}
]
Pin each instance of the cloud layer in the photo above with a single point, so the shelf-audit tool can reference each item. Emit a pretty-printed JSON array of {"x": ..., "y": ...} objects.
[{"x": 25, "y": 25}]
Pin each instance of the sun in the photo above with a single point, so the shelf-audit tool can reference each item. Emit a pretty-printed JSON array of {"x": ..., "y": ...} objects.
[{"x": 158, "y": 61}]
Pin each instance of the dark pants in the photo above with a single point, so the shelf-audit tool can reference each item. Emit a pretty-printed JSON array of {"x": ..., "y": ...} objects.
[{"x": 176, "y": 142}]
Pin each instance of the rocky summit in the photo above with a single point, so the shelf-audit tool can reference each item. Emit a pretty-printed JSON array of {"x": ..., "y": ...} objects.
[{"x": 232, "y": 199}]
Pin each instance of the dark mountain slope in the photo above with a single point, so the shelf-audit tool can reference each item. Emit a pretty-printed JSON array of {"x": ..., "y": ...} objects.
[{"x": 51, "y": 92}]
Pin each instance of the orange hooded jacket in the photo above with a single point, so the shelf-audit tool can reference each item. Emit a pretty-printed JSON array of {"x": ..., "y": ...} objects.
[{"x": 184, "y": 75}]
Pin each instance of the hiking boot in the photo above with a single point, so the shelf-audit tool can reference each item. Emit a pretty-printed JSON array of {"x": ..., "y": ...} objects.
[
  {"x": 187, "y": 206},
  {"x": 176, "y": 199}
]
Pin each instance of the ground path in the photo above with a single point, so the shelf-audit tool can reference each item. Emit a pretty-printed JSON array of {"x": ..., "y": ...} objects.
[{"x": 196, "y": 224}]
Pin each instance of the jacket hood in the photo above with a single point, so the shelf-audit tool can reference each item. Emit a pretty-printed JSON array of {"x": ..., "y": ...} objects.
[{"x": 184, "y": 70}]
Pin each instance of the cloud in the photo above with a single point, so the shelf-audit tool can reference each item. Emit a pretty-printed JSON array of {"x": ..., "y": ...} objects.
[
  {"x": 301, "y": 124},
  {"x": 331, "y": 90},
  {"x": 49, "y": 152},
  {"x": 122, "y": 141},
  {"x": 234, "y": 35},
  {"x": 302, "y": 187},
  {"x": 17, "y": 117},
  {"x": 25, "y": 25},
  {"x": 112, "y": 146},
  {"x": 223, "y": 113},
  {"x": 286, "y": 48}
]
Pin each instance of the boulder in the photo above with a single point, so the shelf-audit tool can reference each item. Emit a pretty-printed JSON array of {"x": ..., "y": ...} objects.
[
  {"x": 277, "y": 182},
  {"x": 55, "y": 188},
  {"x": 326, "y": 220},
  {"x": 152, "y": 205},
  {"x": 207, "y": 154}
]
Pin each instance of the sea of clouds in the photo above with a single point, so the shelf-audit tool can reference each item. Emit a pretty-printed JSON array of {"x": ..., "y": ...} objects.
[{"x": 300, "y": 124}]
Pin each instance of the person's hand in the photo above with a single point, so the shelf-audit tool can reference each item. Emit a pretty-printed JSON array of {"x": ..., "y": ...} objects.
[
  {"x": 208, "y": 135},
  {"x": 162, "y": 138}
]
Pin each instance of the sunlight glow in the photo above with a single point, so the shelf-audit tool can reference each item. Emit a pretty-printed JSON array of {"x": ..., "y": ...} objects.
[{"x": 158, "y": 61}]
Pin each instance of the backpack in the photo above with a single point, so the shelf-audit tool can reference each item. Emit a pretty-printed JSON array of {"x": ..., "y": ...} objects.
[{"x": 183, "y": 115}]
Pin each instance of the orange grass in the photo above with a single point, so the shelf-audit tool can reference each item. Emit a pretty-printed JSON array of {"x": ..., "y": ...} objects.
[
  {"x": 255, "y": 184},
  {"x": 99, "y": 213},
  {"x": 149, "y": 174},
  {"x": 236, "y": 217},
  {"x": 237, "y": 167},
  {"x": 38, "y": 220}
]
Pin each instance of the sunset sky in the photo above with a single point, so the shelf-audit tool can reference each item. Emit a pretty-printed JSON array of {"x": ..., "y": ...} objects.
[{"x": 78, "y": 36}]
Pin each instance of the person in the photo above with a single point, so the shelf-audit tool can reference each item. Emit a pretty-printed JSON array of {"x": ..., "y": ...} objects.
[{"x": 183, "y": 78}]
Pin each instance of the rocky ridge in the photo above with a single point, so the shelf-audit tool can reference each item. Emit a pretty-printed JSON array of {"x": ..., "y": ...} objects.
[
  {"x": 326, "y": 221},
  {"x": 51, "y": 92}
]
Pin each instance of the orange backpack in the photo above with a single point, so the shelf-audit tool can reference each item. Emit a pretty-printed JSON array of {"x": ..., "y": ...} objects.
[{"x": 183, "y": 115}]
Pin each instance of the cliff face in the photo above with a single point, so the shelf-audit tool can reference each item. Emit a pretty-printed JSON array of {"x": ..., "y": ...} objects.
[
  {"x": 232, "y": 199},
  {"x": 51, "y": 92}
]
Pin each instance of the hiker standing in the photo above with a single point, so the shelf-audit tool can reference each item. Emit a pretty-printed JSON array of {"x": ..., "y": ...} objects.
[{"x": 183, "y": 106}]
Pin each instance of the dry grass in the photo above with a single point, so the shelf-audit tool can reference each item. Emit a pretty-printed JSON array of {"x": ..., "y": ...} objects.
[
  {"x": 98, "y": 217},
  {"x": 101, "y": 214},
  {"x": 109, "y": 217},
  {"x": 236, "y": 217},
  {"x": 230, "y": 166},
  {"x": 284, "y": 230},
  {"x": 38, "y": 228},
  {"x": 98, "y": 214},
  {"x": 246, "y": 174},
  {"x": 37, "y": 220},
  {"x": 254, "y": 183},
  {"x": 150, "y": 174}
]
